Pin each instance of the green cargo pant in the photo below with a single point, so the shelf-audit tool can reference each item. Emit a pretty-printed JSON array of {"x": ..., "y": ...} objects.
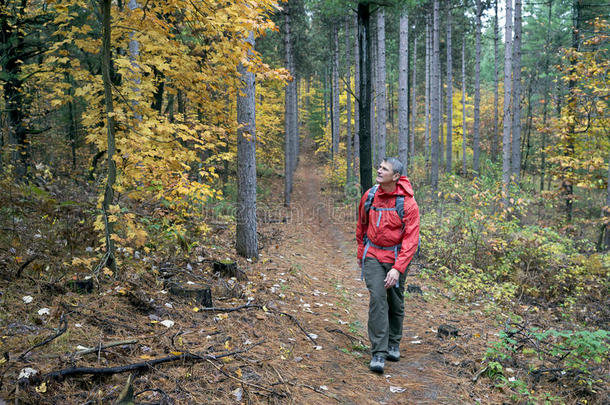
[{"x": 386, "y": 307}]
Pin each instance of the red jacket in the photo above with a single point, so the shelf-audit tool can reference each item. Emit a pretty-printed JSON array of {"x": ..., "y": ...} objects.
[{"x": 390, "y": 231}]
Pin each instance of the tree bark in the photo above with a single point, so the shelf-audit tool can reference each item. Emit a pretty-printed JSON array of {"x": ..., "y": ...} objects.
[
  {"x": 348, "y": 81},
  {"x": 288, "y": 102},
  {"x": 109, "y": 257},
  {"x": 364, "y": 106},
  {"x": 413, "y": 99},
  {"x": 246, "y": 236},
  {"x": 403, "y": 95},
  {"x": 495, "y": 141},
  {"x": 516, "y": 139},
  {"x": 448, "y": 163},
  {"x": 566, "y": 183},
  {"x": 464, "y": 172},
  {"x": 336, "y": 131},
  {"x": 374, "y": 91},
  {"x": 477, "y": 90},
  {"x": 435, "y": 93},
  {"x": 427, "y": 96},
  {"x": 506, "y": 144},
  {"x": 357, "y": 98},
  {"x": 547, "y": 96}
]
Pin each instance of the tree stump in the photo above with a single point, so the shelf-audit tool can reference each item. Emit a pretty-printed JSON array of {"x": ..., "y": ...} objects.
[
  {"x": 414, "y": 289},
  {"x": 201, "y": 294},
  {"x": 80, "y": 286},
  {"x": 228, "y": 268},
  {"x": 446, "y": 331}
]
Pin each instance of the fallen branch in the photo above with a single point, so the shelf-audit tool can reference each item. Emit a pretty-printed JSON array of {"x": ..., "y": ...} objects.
[
  {"x": 245, "y": 306},
  {"x": 63, "y": 326},
  {"x": 245, "y": 382},
  {"x": 350, "y": 337},
  {"x": 106, "y": 346},
  {"x": 143, "y": 365}
]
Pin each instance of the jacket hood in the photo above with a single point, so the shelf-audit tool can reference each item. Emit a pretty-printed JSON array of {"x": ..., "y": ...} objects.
[{"x": 403, "y": 187}]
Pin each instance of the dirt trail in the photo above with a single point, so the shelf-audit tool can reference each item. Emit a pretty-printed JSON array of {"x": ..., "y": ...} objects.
[{"x": 327, "y": 295}]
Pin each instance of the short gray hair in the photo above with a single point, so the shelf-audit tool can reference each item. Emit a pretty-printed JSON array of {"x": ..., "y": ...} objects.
[{"x": 397, "y": 165}]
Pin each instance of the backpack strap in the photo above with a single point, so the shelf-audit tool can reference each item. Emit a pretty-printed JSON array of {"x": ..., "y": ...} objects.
[
  {"x": 400, "y": 206},
  {"x": 370, "y": 197}
]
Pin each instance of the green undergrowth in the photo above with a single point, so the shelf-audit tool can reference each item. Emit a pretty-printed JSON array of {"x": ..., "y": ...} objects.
[{"x": 485, "y": 249}]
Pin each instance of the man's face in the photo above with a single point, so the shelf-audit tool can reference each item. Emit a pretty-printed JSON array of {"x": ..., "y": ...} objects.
[{"x": 385, "y": 174}]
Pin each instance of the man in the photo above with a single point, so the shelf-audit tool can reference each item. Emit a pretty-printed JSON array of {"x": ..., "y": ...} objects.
[{"x": 388, "y": 236}]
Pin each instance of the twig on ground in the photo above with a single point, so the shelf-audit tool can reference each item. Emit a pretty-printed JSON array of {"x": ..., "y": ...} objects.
[
  {"x": 245, "y": 382},
  {"x": 63, "y": 326},
  {"x": 143, "y": 365},
  {"x": 106, "y": 346},
  {"x": 319, "y": 391},
  {"x": 353, "y": 339}
]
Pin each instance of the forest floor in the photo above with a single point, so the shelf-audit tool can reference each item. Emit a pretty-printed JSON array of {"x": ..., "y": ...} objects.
[{"x": 297, "y": 334}]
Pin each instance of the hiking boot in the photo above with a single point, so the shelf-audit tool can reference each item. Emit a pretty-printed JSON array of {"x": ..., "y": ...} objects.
[
  {"x": 393, "y": 353},
  {"x": 377, "y": 363}
]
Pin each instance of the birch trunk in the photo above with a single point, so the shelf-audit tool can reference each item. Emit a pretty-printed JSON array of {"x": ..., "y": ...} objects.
[
  {"x": 109, "y": 257},
  {"x": 449, "y": 166},
  {"x": 506, "y": 145},
  {"x": 403, "y": 95},
  {"x": 364, "y": 131},
  {"x": 246, "y": 237},
  {"x": 495, "y": 141},
  {"x": 477, "y": 90},
  {"x": 413, "y": 99},
  {"x": 435, "y": 96},
  {"x": 516, "y": 141},
  {"x": 381, "y": 88},
  {"x": 427, "y": 95}
]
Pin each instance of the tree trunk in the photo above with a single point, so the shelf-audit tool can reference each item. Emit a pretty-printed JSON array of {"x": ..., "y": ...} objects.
[
  {"x": 295, "y": 118},
  {"x": 374, "y": 92},
  {"x": 403, "y": 95},
  {"x": 526, "y": 144},
  {"x": 348, "y": 81},
  {"x": 381, "y": 89},
  {"x": 567, "y": 186},
  {"x": 435, "y": 93},
  {"x": 246, "y": 237},
  {"x": 495, "y": 141},
  {"x": 288, "y": 102},
  {"x": 427, "y": 97},
  {"x": 413, "y": 99},
  {"x": 516, "y": 140},
  {"x": 357, "y": 98},
  {"x": 335, "y": 94},
  {"x": 464, "y": 172},
  {"x": 448, "y": 163},
  {"x": 506, "y": 144},
  {"x": 477, "y": 91},
  {"x": 364, "y": 106},
  {"x": 547, "y": 96},
  {"x": 109, "y": 257}
]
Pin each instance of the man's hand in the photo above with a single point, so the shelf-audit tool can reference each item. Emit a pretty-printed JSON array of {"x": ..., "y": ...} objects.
[{"x": 391, "y": 278}]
